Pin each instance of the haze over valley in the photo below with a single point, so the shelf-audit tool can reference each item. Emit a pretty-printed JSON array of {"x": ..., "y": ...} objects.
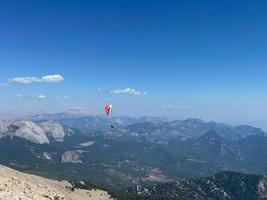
[{"x": 137, "y": 150}]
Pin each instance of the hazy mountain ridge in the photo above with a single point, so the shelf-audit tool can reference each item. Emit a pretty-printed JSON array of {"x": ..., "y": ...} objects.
[
  {"x": 193, "y": 128},
  {"x": 150, "y": 151},
  {"x": 185, "y": 129},
  {"x": 86, "y": 122}
]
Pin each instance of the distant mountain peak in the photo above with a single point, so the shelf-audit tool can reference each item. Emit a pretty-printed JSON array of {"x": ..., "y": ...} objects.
[
  {"x": 194, "y": 120},
  {"x": 77, "y": 110},
  {"x": 211, "y": 134},
  {"x": 211, "y": 137}
]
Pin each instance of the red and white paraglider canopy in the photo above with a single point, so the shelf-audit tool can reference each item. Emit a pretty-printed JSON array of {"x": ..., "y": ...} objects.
[{"x": 108, "y": 109}]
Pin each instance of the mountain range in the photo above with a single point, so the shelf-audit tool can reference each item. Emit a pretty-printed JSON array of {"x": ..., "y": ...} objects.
[{"x": 137, "y": 151}]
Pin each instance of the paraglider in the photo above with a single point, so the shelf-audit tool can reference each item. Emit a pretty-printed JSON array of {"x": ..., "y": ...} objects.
[{"x": 108, "y": 110}]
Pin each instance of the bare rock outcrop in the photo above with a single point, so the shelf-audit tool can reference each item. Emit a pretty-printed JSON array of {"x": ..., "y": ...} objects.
[
  {"x": 262, "y": 188},
  {"x": 54, "y": 129},
  {"x": 30, "y": 131},
  {"x": 71, "y": 157}
]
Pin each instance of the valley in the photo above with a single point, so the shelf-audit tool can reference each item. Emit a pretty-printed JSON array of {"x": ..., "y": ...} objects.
[{"x": 147, "y": 152}]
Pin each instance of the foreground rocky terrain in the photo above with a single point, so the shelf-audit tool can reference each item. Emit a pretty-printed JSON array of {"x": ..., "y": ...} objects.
[{"x": 15, "y": 185}]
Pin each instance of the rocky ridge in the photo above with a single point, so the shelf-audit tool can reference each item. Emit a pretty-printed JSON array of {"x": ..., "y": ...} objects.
[
  {"x": 38, "y": 133},
  {"x": 15, "y": 185}
]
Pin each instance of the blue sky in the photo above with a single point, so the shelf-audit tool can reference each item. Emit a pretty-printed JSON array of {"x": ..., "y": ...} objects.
[{"x": 181, "y": 59}]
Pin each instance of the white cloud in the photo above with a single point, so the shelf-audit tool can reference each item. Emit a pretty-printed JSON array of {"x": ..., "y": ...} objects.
[
  {"x": 23, "y": 80},
  {"x": 52, "y": 78},
  {"x": 98, "y": 89},
  {"x": 56, "y": 78},
  {"x": 41, "y": 96},
  {"x": 19, "y": 95},
  {"x": 128, "y": 90},
  {"x": 176, "y": 107}
]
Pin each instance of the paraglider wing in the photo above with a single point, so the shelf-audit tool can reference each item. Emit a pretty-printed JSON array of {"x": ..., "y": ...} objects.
[{"x": 108, "y": 109}]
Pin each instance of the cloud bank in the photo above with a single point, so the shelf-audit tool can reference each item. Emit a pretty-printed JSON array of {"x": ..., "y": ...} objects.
[
  {"x": 128, "y": 90},
  {"x": 55, "y": 78},
  {"x": 176, "y": 107},
  {"x": 41, "y": 96}
]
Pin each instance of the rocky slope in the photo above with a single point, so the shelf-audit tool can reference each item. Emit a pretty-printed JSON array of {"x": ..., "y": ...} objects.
[
  {"x": 29, "y": 131},
  {"x": 15, "y": 185},
  {"x": 3, "y": 128},
  {"x": 221, "y": 186}
]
